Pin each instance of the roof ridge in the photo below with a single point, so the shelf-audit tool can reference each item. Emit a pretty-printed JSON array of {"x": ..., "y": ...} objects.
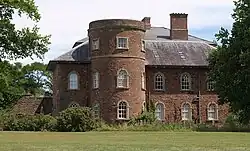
[
  {"x": 188, "y": 34},
  {"x": 187, "y": 41},
  {"x": 200, "y": 38}
]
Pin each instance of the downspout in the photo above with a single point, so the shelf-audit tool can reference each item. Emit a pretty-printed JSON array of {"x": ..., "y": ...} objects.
[{"x": 199, "y": 92}]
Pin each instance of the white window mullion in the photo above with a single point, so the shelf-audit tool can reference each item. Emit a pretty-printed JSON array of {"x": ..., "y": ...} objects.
[
  {"x": 122, "y": 43},
  {"x": 73, "y": 81},
  {"x": 96, "y": 80},
  {"x": 122, "y": 79}
]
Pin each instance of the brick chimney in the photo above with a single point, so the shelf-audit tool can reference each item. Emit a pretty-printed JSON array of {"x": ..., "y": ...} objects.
[
  {"x": 146, "y": 21},
  {"x": 178, "y": 26}
]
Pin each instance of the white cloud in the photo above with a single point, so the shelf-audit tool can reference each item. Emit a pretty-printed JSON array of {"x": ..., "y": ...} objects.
[{"x": 67, "y": 21}]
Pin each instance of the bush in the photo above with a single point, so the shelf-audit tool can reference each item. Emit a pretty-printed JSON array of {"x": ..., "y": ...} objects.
[
  {"x": 75, "y": 120},
  {"x": 206, "y": 128},
  {"x": 145, "y": 127},
  {"x": 12, "y": 122},
  {"x": 144, "y": 118}
]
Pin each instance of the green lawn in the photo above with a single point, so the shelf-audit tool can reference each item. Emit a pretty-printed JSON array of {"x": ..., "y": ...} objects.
[{"x": 124, "y": 141}]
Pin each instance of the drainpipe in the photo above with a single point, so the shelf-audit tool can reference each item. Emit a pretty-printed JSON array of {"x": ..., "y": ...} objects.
[{"x": 199, "y": 92}]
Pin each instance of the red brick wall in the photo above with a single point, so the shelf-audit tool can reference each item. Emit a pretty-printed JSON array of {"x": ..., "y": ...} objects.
[
  {"x": 108, "y": 96},
  {"x": 178, "y": 26},
  {"x": 108, "y": 60},
  {"x": 60, "y": 83},
  {"x": 173, "y": 97}
]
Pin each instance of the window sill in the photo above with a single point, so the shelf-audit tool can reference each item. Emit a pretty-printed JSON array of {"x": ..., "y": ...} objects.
[
  {"x": 190, "y": 90},
  {"x": 122, "y": 88},
  {"x": 143, "y": 89},
  {"x": 122, "y": 119},
  {"x": 73, "y": 89},
  {"x": 143, "y": 51},
  {"x": 210, "y": 120},
  {"x": 159, "y": 90},
  {"x": 186, "y": 120},
  {"x": 121, "y": 48}
]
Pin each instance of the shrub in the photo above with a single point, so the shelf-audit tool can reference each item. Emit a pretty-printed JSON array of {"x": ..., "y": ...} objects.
[
  {"x": 75, "y": 120},
  {"x": 144, "y": 118},
  {"x": 206, "y": 128},
  {"x": 157, "y": 126},
  {"x": 14, "y": 122}
]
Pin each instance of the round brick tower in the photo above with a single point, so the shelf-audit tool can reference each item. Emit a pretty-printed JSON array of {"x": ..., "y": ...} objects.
[{"x": 117, "y": 56}]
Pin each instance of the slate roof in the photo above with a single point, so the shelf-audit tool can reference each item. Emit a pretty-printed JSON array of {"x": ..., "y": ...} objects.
[
  {"x": 160, "y": 50},
  {"x": 79, "y": 52},
  {"x": 162, "y": 33},
  {"x": 177, "y": 53}
]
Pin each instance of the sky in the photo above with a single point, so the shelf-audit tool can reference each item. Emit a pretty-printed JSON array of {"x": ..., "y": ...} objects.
[{"x": 67, "y": 20}]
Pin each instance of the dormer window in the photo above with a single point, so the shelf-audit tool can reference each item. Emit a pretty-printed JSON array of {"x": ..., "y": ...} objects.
[
  {"x": 122, "y": 43},
  {"x": 95, "y": 44}
]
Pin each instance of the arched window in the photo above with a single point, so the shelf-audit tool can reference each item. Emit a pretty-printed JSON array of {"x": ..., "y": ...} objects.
[
  {"x": 73, "y": 81},
  {"x": 159, "y": 111},
  {"x": 96, "y": 80},
  {"x": 122, "y": 79},
  {"x": 159, "y": 82},
  {"x": 122, "y": 110},
  {"x": 74, "y": 104},
  {"x": 186, "y": 111},
  {"x": 212, "y": 111},
  {"x": 185, "y": 81}
]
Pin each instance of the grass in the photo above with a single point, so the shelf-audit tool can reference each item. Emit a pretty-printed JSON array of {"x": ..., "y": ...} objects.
[{"x": 124, "y": 141}]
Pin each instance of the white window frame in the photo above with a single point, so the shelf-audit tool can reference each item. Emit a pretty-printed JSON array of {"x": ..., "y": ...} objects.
[
  {"x": 210, "y": 85},
  {"x": 143, "y": 45},
  {"x": 158, "y": 82},
  {"x": 185, "y": 81},
  {"x": 160, "y": 112},
  {"x": 143, "y": 106},
  {"x": 96, "y": 80},
  {"x": 73, "y": 82},
  {"x": 74, "y": 105},
  {"x": 121, "y": 78},
  {"x": 215, "y": 112},
  {"x": 95, "y": 44},
  {"x": 120, "y": 110},
  {"x": 143, "y": 83},
  {"x": 96, "y": 111},
  {"x": 184, "y": 111},
  {"x": 118, "y": 43}
]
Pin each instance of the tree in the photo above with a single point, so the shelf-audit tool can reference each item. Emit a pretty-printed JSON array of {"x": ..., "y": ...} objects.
[
  {"x": 15, "y": 44},
  {"x": 230, "y": 63},
  {"x": 17, "y": 80},
  {"x": 37, "y": 80},
  {"x": 20, "y": 43},
  {"x": 10, "y": 83}
]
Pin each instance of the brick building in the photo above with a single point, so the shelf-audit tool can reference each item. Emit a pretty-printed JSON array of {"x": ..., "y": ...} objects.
[{"x": 123, "y": 64}]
